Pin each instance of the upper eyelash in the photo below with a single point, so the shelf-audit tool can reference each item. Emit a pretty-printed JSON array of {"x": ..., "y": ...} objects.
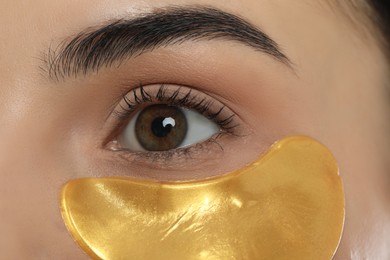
[{"x": 188, "y": 100}]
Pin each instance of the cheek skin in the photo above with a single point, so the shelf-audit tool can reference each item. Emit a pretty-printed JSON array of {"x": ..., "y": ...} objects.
[
  {"x": 29, "y": 196},
  {"x": 29, "y": 174},
  {"x": 347, "y": 76}
]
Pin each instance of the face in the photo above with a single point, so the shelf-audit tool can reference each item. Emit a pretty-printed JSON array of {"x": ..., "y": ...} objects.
[{"x": 321, "y": 77}]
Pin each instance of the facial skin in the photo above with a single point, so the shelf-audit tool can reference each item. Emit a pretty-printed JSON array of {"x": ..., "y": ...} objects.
[{"x": 55, "y": 131}]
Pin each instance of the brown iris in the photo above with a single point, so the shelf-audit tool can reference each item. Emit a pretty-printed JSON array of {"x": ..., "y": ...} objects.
[{"x": 160, "y": 127}]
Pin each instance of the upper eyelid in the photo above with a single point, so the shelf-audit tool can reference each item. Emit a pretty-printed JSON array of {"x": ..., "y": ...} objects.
[
  {"x": 160, "y": 96},
  {"x": 177, "y": 96}
]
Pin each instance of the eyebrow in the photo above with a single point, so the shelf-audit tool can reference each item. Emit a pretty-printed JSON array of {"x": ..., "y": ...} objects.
[{"x": 122, "y": 39}]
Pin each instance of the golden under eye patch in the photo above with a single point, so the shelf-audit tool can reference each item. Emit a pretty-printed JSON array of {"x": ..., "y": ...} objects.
[{"x": 289, "y": 204}]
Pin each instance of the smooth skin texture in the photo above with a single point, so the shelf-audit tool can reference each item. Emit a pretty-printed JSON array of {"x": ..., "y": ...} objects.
[{"x": 54, "y": 132}]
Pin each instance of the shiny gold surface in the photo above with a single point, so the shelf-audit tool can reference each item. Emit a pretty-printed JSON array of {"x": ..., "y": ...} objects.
[{"x": 287, "y": 205}]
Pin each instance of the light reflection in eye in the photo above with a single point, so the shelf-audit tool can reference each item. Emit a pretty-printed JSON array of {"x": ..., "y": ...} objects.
[{"x": 163, "y": 127}]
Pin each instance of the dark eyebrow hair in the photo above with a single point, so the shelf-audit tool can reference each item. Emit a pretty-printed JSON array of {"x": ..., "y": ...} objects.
[{"x": 93, "y": 49}]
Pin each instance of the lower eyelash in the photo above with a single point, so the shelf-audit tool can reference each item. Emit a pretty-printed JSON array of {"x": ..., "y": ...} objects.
[{"x": 162, "y": 159}]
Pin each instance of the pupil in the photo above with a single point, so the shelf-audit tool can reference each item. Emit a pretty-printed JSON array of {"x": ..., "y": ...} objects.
[{"x": 160, "y": 127}]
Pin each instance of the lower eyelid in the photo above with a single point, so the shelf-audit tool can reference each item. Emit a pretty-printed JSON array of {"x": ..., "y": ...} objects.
[
  {"x": 172, "y": 159},
  {"x": 207, "y": 159}
]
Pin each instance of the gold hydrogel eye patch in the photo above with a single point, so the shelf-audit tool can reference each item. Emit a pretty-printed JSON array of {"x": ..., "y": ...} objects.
[{"x": 287, "y": 205}]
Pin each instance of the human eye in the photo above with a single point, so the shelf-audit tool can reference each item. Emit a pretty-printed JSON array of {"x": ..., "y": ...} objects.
[{"x": 166, "y": 122}]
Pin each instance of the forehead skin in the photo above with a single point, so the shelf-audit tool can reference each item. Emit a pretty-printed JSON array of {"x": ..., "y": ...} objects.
[{"x": 336, "y": 95}]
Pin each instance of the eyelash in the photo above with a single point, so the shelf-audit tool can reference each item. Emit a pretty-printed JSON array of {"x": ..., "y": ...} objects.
[
  {"x": 180, "y": 96},
  {"x": 203, "y": 106}
]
